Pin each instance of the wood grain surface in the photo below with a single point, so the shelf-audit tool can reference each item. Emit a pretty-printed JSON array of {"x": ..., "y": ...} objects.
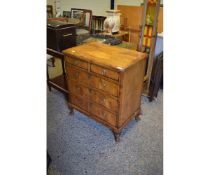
[{"x": 99, "y": 89}]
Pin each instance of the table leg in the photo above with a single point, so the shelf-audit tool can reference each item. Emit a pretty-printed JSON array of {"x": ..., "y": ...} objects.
[
  {"x": 48, "y": 79},
  {"x": 63, "y": 68},
  {"x": 116, "y": 136}
]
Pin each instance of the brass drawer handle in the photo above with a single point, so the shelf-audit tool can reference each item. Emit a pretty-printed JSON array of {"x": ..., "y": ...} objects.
[
  {"x": 78, "y": 88},
  {"x": 103, "y": 115},
  {"x": 76, "y": 62},
  {"x": 103, "y": 83},
  {"x": 103, "y": 101},
  {"x": 103, "y": 72},
  {"x": 69, "y": 34}
]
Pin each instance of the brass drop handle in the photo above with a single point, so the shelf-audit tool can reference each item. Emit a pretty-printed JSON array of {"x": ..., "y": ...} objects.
[
  {"x": 103, "y": 100},
  {"x": 78, "y": 88},
  {"x": 103, "y": 115},
  {"x": 103, "y": 72},
  {"x": 76, "y": 62},
  {"x": 103, "y": 83},
  {"x": 69, "y": 34}
]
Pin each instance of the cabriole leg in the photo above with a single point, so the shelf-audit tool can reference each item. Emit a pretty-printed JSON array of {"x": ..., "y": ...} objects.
[
  {"x": 71, "y": 111},
  {"x": 138, "y": 118},
  {"x": 116, "y": 136}
]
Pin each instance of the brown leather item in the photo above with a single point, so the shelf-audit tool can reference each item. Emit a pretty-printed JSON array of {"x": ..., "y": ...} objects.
[{"x": 105, "y": 83}]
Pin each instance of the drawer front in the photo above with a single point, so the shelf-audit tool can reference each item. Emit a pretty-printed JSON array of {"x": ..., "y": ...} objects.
[
  {"x": 78, "y": 89},
  {"x": 104, "y": 100},
  {"x": 102, "y": 114},
  {"x": 79, "y": 102},
  {"x": 77, "y": 62},
  {"x": 105, "y": 72},
  {"x": 66, "y": 37},
  {"x": 77, "y": 75},
  {"x": 104, "y": 85}
]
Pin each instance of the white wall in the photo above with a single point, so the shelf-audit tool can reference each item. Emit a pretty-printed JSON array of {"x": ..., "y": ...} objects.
[
  {"x": 50, "y": 2},
  {"x": 130, "y": 2},
  {"x": 98, "y": 7}
]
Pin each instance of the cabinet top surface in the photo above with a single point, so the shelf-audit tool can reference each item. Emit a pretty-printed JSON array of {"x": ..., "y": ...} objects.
[{"x": 111, "y": 56}]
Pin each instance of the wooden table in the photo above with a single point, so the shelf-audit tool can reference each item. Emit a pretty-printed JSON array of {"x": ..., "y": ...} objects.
[
  {"x": 124, "y": 44},
  {"x": 58, "y": 82},
  {"x": 124, "y": 35},
  {"x": 73, "y": 21}
]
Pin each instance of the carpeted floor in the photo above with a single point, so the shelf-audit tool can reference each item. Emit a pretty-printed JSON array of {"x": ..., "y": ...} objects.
[{"x": 78, "y": 145}]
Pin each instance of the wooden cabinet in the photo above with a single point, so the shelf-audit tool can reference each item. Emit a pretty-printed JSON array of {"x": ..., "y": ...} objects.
[
  {"x": 60, "y": 35},
  {"x": 105, "y": 83}
]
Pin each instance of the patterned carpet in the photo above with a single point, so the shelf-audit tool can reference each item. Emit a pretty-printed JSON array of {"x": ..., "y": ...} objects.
[{"x": 78, "y": 145}]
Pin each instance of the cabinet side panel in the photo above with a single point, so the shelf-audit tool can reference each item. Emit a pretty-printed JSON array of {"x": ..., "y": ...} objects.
[{"x": 131, "y": 92}]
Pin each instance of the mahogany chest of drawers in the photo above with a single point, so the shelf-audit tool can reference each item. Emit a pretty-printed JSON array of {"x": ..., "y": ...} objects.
[
  {"x": 60, "y": 35},
  {"x": 105, "y": 83}
]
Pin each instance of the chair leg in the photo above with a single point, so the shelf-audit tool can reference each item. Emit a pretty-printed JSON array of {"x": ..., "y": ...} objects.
[
  {"x": 49, "y": 160},
  {"x": 63, "y": 66},
  {"x": 48, "y": 79}
]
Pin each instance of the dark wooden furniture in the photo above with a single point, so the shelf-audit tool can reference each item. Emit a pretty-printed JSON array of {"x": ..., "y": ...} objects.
[
  {"x": 105, "y": 83},
  {"x": 157, "y": 69},
  {"x": 49, "y": 160},
  {"x": 156, "y": 77},
  {"x": 83, "y": 15},
  {"x": 60, "y": 36},
  {"x": 83, "y": 30},
  {"x": 58, "y": 82},
  {"x": 71, "y": 21},
  {"x": 66, "y": 14}
]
